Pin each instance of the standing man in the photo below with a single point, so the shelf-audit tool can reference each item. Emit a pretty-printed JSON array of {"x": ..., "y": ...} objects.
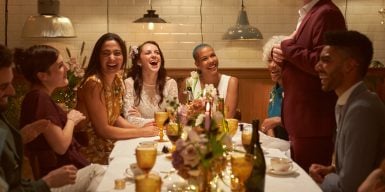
[
  {"x": 360, "y": 114},
  {"x": 307, "y": 111}
]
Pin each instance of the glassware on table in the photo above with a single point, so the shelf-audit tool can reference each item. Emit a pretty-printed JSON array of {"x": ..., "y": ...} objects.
[
  {"x": 150, "y": 182},
  {"x": 246, "y": 138},
  {"x": 160, "y": 118},
  {"x": 173, "y": 132},
  {"x": 233, "y": 126},
  {"x": 241, "y": 167},
  {"x": 145, "y": 157}
]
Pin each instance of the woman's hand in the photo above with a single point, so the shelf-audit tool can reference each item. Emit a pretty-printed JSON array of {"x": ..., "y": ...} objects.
[
  {"x": 149, "y": 130},
  {"x": 270, "y": 123},
  {"x": 31, "y": 131},
  {"x": 75, "y": 116}
]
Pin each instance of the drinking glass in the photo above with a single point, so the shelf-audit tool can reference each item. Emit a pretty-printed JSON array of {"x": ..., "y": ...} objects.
[
  {"x": 241, "y": 167},
  {"x": 160, "y": 118},
  {"x": 145, "y": 157},
  {"x": 233, "y": 126},
  {"x": 246, "y": 138},
  {"x": 173, "y": 132},
  {"x": 151, "y": 182}
]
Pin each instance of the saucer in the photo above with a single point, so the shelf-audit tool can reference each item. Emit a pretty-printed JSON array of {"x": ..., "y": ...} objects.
[{"x": 275, "y": 172}]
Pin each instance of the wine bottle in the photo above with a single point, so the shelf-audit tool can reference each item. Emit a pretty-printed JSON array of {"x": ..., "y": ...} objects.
[{"x": 256, "y": 181}]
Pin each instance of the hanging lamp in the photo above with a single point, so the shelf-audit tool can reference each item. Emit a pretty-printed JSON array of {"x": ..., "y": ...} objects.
[
  {"x": 150, "y": 17},
  {"x": 48, "y": 23},
  {"x": 242, "y": 29}
]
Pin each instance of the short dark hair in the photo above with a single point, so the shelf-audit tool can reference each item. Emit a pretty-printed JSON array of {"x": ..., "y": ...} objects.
[
  {"x": 198, "y": 48},
  {"x": 5, "y": 57},
  {"x": 357, "y": 45}
]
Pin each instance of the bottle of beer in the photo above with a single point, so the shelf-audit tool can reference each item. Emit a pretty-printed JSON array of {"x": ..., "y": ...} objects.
[{"x": 256, "y": 181}]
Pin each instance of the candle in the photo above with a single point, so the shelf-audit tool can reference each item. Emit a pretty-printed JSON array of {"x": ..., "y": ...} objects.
[{"x": 207, "y": 116}]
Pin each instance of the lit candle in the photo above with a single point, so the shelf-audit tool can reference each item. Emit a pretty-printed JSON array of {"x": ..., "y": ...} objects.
[{"x": 207, "y": 116}]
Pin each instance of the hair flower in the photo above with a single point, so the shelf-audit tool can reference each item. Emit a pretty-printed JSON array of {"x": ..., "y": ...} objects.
[{"x": 133, "y": 51}]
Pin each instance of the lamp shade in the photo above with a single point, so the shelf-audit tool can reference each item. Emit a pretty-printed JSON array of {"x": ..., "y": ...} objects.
[
  {"x": 242, "y": 29},
  {"x": 150, "y": 17},
  {"x": 48, "y": 23}
]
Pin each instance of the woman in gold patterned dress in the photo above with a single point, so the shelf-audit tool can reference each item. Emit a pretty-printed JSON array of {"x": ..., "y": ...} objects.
[{"x": 100, "y": 99}]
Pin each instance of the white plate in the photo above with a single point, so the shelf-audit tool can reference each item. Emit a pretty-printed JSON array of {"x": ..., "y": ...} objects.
[{"x": 275, "y": 172}]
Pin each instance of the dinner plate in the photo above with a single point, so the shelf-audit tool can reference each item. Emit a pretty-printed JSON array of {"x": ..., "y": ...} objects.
[{"x": 275, "y": 172}]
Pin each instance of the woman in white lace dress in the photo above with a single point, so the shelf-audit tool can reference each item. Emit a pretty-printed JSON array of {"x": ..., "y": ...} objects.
[{"x": 147, "y": 85}]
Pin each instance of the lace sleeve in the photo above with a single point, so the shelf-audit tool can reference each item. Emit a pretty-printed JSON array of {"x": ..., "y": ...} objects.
[
  {"x": 129, "y": 97},
  {"x": 172, "y": 88},
  {"x": 128, "y": 103}
]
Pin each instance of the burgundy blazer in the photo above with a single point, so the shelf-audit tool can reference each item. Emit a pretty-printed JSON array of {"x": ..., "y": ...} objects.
[{"x": 307, "y": 111}]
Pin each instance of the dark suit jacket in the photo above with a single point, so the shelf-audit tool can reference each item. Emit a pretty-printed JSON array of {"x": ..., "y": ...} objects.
[
  {"x": 360, "y": 140},
  {"x": 307, "y": 110},
  {"x": 11, "y": 161}
]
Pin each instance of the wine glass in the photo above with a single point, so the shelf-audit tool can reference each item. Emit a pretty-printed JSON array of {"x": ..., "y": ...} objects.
[
  {"x": 145, "y": 157},
  {"x": 173, "y": 132},
  {"x": 160, "y": 118},
  {"x": 246, "y": 138},
  {"x": 241, "y": 167}
]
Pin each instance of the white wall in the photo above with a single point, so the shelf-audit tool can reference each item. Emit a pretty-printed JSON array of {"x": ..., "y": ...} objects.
[{"x": 178, "y": 37}]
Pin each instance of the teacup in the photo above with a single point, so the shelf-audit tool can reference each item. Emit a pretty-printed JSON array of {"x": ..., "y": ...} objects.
[{"x": 281, "y": 164}]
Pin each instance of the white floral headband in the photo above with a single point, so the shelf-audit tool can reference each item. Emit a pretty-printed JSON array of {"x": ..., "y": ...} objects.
[{"x": 133, "y": 51}]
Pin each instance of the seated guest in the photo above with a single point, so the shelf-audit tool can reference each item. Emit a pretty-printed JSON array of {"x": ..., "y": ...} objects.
[
  {"x": 273, "y": 122},
  {"x": 100, "y": 99},
  {"x": 375, "y": 182},
  {"x": 147, "y": 85},
  {"x": 65, "y": 178},
  {"x": 360, "y": 113},
  {"x": 207, "y": 63},
  {"x": 43, "y": 67}
]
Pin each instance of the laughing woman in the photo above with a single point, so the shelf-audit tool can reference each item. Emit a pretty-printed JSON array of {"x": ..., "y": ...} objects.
[
  {"x": 147, "y": 85},
  {"x": 100, "y": 99}
]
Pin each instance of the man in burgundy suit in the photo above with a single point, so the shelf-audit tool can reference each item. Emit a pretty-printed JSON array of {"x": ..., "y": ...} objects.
[{"x": 307, "y": 111}]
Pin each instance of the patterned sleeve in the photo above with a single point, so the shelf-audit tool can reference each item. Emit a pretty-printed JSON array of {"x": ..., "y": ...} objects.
[
  {"x": 172, "y": 88},
  {"x": 128, "y": 102}
]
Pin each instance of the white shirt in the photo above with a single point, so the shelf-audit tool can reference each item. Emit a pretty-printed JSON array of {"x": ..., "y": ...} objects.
[{"x": 304, "y": 10}]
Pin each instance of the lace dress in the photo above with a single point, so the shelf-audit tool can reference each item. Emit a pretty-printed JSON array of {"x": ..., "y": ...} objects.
[
  {"x": 99, "y": 148},
  {"x": 149, "y": 103}
]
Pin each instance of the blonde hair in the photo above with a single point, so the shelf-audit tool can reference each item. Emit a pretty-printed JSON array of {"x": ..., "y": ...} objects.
[{"x": 266, "y": 50}]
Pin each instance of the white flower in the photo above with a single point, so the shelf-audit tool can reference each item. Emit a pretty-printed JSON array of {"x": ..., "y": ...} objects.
[
  {"x": 210, "y": 91},
  {"x": 194, "y": 75},
  {"x": 133, "y": 51},
  {"x": 199, "y": 120}
]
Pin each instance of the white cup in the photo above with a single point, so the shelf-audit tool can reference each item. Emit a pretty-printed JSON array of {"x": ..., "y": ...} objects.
[{"x": 281, "y": 164}]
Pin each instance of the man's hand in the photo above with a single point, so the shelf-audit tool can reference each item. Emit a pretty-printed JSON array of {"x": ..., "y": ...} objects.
[
  {"x": 62, "y": 176},
  {"x": 31, "y": 131},
  {"x": 318, "y": 172}
]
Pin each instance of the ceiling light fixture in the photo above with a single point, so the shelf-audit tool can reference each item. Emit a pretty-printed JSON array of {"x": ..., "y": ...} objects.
[
  {"x": 150, "y": 17},
  {"x": 242, "y": 29},
  {"x": 48, "y": 23}
]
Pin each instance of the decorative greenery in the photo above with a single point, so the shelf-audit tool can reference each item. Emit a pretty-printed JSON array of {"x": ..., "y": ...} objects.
[{"x": 75, "y": 73}]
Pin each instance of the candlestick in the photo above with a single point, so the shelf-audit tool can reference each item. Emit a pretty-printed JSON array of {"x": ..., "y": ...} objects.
[{"x": 207, "y": 116}]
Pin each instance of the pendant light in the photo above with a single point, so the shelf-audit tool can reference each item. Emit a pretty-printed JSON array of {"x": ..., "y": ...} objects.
[
  {"x": 150, "y": 17},
  {"x": 242, "y": 29},
  {"x": 48, "y": 23}
]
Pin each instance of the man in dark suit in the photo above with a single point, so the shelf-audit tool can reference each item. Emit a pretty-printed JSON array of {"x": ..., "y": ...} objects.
[
  {"x": 11, "y": 153},
  {"x": 360, "y": 114},
  {"x": 307, "y": 111}
]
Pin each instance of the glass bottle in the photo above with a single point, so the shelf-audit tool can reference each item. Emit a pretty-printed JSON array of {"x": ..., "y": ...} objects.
[{"x": 256, "y": 181}]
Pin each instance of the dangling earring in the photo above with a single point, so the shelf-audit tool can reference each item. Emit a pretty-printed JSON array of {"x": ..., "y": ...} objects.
[{"x": 139, "y": 64}]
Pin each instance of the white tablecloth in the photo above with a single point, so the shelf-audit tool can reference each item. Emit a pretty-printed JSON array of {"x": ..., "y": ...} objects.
[{"x": 123, "y": 155}]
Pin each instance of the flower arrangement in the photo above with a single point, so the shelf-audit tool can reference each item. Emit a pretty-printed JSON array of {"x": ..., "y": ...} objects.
[
  {"x": 75, "y": 73},
  {"x": 191, "y": 83},
  {"x": 203, "y": 150}
]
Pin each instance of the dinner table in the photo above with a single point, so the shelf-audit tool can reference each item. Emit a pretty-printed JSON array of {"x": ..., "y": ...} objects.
[{"x": 122, "y": 166}]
